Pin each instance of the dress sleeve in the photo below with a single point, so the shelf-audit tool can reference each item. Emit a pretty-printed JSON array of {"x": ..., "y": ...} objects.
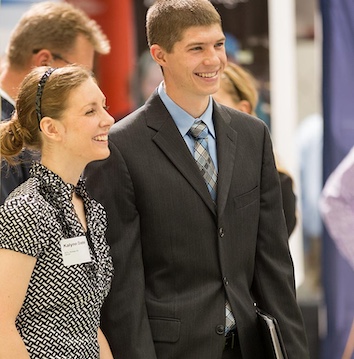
[{"x": 20, "y": 228}]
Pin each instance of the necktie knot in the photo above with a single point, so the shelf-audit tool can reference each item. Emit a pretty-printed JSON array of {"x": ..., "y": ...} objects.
[
  {"x": 202, "y": 157},
  {"x": 199, "y": 130}
]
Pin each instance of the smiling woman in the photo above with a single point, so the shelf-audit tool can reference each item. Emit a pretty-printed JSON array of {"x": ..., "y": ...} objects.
[
  {"x": 52, "y": 234},
  {"x": 81, "y": 131},
  {"x": 55, "y": 108}
]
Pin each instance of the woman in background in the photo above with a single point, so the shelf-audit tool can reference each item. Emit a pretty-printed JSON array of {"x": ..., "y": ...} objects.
[
  {"x": 55, "y": 267},
  {"x": 238, "y": 90}
]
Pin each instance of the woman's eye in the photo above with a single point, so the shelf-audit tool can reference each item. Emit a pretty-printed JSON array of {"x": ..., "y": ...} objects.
[{"x": 90, "y": 112}]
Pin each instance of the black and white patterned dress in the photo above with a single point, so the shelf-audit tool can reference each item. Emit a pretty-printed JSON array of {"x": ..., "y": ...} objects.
[{"x": 61, "y": 312}]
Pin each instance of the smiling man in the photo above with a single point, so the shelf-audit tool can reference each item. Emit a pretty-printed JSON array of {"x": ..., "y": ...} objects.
[{"x": 196, "y": 225}]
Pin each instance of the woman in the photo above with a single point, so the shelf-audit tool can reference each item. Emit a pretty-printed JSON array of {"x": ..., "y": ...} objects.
[
  {"x": 238, "y": 90},
  {"x": 55, "y": 267}
]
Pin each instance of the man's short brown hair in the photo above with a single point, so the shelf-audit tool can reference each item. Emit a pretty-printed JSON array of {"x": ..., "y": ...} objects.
[
  {"x": 166, "y": 20},
  {"x": 54, "y": 26}
]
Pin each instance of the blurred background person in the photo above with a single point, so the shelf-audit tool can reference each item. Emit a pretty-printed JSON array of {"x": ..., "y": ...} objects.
[
  {"x": 50, "y": 296},
  {"x": 49, "y": 33},
  {"x": 309, "y": 145},
  {"x": 337, "y": 206},
  {"x": 147, "y": 77},
  {"x": 238, "y": 90}
]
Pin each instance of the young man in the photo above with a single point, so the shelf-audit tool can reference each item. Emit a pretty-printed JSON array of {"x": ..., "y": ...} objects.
[
  {"x": 190, "y": 245},
  {"x": 49, "y": 33}
]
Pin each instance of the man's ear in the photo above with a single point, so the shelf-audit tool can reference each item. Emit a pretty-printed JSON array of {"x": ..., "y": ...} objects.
[
  {"x": 50, "y": 128},
  {"x": 158, "y": 54},
  {"x": 42, "y": 58}
]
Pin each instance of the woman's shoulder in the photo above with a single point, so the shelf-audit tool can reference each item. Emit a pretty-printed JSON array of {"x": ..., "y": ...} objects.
[
  {"x": 24, "y": 203},
  {"x": 24, "y": 220}
]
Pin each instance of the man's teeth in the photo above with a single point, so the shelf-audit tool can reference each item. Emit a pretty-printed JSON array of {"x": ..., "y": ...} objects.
[
  {"x": 207, "y": 75},
  {"x": 101, "y": 138}
]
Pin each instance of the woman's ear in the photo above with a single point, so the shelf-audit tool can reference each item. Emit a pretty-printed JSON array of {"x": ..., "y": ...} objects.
[
  {"x": 158, "y": 54},
  {"x": 50, "y": 128},
  {"x": 244, "y": 106}
]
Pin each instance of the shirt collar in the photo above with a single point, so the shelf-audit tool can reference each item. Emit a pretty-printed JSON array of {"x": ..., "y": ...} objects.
[{"x": 184, "y": 120}]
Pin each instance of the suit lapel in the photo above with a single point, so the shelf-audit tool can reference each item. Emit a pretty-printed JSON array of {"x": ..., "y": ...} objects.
[
  {"x": 226, "y": 152},
  {"x": 170, "y": 141}
]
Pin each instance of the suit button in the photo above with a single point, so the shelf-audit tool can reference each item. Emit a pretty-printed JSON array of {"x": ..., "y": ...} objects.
[
  {"x": 220, "y": 329},
  {"x": 226, "y": 282},
  {"x": 221, "y": 232}
]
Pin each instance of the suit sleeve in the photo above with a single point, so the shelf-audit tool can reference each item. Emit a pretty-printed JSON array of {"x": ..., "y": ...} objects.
[
  {"x": 124, "y": 318},
  {"x": 289, "y": 201},
  {"x": 13, "y": 176},
  {"x": 274, "y": 285}
]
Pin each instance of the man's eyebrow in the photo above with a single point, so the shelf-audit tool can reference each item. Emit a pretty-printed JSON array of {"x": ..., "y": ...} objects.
[{"x": 205, "y": 42}]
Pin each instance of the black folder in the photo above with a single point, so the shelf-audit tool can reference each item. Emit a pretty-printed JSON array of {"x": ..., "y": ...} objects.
[{"x": 270, "y": 331}]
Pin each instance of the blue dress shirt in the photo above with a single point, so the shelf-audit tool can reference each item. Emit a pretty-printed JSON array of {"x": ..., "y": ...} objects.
[{"x": 184, "y": 121}]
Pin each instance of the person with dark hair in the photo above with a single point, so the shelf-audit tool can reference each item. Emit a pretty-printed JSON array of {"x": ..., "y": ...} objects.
[
  {"x": 147, "y": 77},
  {"x": 49, "y": 33},
  {"x": 193, "y": 202},
  {"x": 55, "y": 266}
]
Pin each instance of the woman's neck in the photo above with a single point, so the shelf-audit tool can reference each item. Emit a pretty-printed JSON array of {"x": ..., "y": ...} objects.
[{"x": 69, "y": 173}]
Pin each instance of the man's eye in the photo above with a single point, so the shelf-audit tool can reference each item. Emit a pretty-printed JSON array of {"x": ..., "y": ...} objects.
[{"x": 90, "y": 112}]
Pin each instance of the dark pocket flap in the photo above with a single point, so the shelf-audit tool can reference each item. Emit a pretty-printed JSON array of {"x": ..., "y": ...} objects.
[
  {"x": 165, "y": 329},
  {"x": 246, "y": 198}
]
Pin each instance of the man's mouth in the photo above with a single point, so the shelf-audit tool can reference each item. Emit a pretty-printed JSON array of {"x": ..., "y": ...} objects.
[
  {"x": 207, "y": 75},
  {"x": 101, "y": 138}
]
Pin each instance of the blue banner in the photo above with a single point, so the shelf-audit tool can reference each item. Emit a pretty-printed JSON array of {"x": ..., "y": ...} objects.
[{"x": 338, "y": 115}]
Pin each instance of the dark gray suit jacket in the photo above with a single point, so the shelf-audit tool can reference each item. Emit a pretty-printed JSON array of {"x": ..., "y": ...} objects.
[{"x": 176, "y": 256}]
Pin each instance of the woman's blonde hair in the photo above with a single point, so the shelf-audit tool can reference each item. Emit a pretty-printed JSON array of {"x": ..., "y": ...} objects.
[
  {"x": 23, "y": 128},
  {"x": 240, "y": 85}
]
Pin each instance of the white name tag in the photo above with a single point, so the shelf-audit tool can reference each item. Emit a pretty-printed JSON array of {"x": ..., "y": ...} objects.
[{"x": 75, "y": 251}]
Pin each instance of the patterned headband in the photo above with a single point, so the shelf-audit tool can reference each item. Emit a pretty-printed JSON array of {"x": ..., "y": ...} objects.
[{"x": 40, "y": 89}]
